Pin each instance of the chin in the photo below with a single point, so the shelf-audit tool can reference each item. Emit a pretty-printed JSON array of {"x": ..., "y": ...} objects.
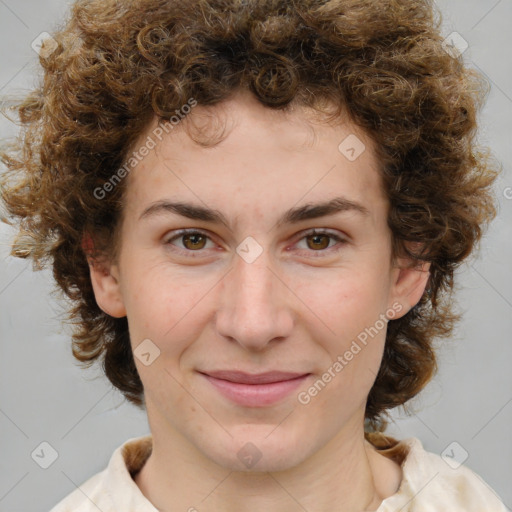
[{"x": 257, "y": 448}]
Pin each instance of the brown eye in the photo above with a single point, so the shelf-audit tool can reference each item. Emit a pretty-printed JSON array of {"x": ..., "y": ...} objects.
[
  {"x": 188, "y": 242},
  {"x": 318, "y": 241},
  {"x": 321, "y": 243},
  {"x": 194, "y": 241}
]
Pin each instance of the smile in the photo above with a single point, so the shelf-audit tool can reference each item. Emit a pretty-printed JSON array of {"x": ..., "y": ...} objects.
[{"x": 255, "y": 390}]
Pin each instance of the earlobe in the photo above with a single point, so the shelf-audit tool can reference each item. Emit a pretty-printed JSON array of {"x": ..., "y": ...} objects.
[
  {"x": 409, "y": 285},
  {"x": 106, "y": 286}
]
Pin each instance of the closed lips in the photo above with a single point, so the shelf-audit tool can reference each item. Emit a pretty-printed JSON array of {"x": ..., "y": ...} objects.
[{"x": 247, "y": 378}]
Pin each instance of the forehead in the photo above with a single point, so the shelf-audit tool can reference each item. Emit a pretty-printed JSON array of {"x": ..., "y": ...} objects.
[{"x": 256, "y": 152}]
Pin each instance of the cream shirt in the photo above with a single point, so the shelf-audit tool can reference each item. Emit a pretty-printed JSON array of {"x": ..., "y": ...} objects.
[{"x": 429, "y": 484}]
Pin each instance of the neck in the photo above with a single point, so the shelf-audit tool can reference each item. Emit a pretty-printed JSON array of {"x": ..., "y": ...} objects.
[{"x": 347, "y": 474}]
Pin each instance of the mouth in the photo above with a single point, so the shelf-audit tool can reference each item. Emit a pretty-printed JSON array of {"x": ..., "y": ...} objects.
[{"x": 255, "y": 390}]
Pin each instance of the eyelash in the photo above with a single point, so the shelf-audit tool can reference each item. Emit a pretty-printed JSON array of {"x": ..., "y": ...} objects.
[{"x": 180, "y": 233}]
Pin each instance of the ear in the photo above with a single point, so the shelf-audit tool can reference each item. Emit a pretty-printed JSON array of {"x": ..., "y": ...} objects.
[
  {"x": 106, "y": 286},
  {"x": 408, "y": 285},
  {"x": 105, "y": 281}
]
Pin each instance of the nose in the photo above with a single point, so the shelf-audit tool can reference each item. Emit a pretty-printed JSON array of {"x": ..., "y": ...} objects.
[{"x": 254, "y": 306}]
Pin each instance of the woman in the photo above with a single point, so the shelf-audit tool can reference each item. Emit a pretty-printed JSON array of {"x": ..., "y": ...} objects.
[{"x": 257, "y": 208}]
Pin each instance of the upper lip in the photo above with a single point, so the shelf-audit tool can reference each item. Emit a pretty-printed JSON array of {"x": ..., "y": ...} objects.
[{"x": 254, "y": 378}]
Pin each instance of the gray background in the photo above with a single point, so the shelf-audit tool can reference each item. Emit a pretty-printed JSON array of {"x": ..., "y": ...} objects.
[{"x": 44, "y": 396}]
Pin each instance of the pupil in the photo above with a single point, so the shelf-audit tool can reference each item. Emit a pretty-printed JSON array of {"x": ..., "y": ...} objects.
[
  {"x": 194, "y": 239},
  {"x": 316, "y": 240}
]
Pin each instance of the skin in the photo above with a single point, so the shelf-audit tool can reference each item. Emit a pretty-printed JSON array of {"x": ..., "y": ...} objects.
[{"x": 297, "y": 307}]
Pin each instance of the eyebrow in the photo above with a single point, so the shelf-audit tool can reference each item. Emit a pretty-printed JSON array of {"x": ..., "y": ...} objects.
[{"x": 292, "y": 216}]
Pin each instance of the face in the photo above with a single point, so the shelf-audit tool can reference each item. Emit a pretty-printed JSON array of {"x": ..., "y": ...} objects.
[{"x": 220, "y": 271}]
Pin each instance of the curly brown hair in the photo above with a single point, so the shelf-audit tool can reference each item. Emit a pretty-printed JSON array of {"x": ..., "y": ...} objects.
[{"x": 119, "y": 64}]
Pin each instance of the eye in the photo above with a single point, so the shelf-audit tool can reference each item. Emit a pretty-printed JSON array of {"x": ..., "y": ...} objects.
[
  {"x": 192, "y": 240},
  {"x": 319, "y": 240}
]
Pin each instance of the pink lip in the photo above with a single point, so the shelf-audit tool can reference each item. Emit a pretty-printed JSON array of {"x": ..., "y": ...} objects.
[{"x": 255, "y": 390}]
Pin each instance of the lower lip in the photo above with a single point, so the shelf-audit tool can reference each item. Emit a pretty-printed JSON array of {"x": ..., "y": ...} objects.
[{"x": 256, "y": 395}]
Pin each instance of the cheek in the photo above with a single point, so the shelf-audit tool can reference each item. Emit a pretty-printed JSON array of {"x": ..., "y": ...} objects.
[
  {"x": 346, "y": 302},
  {"x": 171, "y": 309},
  {"x": 354, "y": 359},
  {"x": 351, "y": 308},
  {"x": 158, "y": 298}
]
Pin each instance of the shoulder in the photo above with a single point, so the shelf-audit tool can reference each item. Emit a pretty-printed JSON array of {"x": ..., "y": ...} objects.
[
  {"x": 433, "y": 482},
  {"x": 113, "y": 489}
]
